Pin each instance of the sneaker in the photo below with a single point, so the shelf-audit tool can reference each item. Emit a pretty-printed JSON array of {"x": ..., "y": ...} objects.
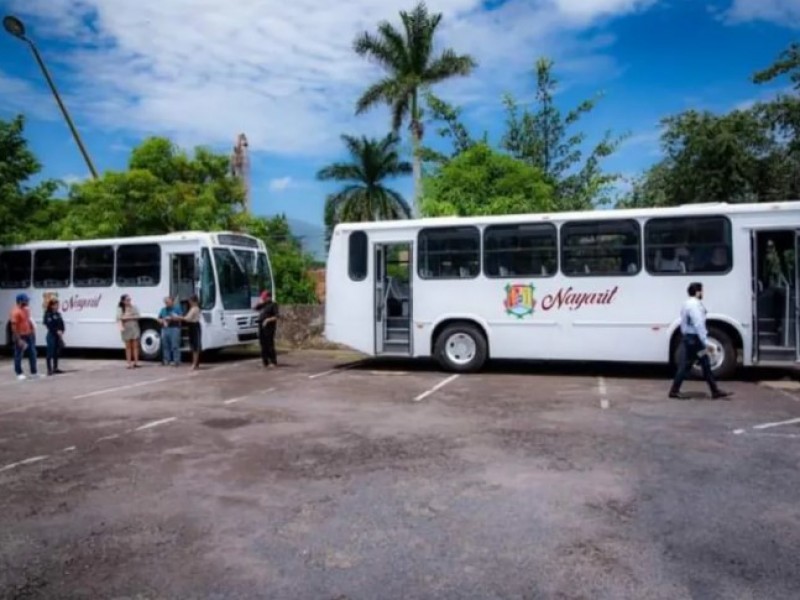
[
  {"x": 719, "y": 394},
  {"x": 677, "y": 396},
  {"x": 50, "y": 373},
  {"x": 58, "y": 372},
  {"x": 21, "y": 378}
]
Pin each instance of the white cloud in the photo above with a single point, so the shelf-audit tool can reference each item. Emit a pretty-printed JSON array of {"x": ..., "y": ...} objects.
[
  {"x": 20, "y": 96},
  {"x": 284, "y": 73},
  {"x": 72, "y": 178},
  {"x": 781, "y": 12},
  {"x": 280, "y": 184}
]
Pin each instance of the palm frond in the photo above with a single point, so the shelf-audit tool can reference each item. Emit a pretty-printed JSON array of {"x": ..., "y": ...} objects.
[
  {"x": 377, "y": 49},
  {"x": 447, "y": 65},
  {"x": 341, "y": 172},
  {"x": 383, "y": 91},
  {"x": 392, "y": 40}
]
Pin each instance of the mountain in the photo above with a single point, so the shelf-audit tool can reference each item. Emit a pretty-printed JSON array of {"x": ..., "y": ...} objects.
[{"x": 310, "y": 235}]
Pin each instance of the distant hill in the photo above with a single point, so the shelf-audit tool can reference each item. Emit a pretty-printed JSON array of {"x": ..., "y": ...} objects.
[{"x": 312, "y": 236}]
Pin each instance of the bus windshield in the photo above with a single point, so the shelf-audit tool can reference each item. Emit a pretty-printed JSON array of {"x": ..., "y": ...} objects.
[
  {"x": 258, "y": 270},
  {"x": 234, "y": 283}
]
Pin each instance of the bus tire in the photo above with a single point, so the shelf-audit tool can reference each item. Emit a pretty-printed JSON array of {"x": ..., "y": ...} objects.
[
  {"x": 461, "y": 348},
  {"x": 722, "y": 367},
  {"x": 150, "y": 341}
]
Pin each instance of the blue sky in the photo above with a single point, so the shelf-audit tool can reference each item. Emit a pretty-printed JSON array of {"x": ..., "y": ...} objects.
[{"x": 201, "y": 71}]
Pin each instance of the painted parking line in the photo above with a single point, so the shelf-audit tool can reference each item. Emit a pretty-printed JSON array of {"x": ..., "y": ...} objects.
[
  {"x": 120, "y": 388},
  {"x": 27, "y": 461},
  {"x": 344, "y": 367},
  {"x": 762, "y": 426},
  {"x": 156, "y": 423},
  {"x": 240, "y": 398},
  {"x": 435, "y": 388},
  {"x": 602, "y": 391}
]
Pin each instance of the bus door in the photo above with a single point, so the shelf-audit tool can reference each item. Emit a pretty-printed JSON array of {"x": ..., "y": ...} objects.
[
  {"x": 393, "y": 298},
  {"x": 776, "y": 304},
  {"x": 183, "y": 277}
]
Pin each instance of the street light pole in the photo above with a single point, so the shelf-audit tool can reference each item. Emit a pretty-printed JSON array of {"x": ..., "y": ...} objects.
[{"x": 16, "y": 28}]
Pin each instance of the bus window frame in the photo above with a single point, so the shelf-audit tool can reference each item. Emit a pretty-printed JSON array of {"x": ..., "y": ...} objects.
[
  {"x": 479, "y": 270},
  {"x": 30, "y": 270},
  {"x": 543, "y": 224},
  {"x": 728, "y": 248},
  {"x": 51, "y": 287},
  {"x": 583, "y": 275},
  {"x": 350, "y": 237}
]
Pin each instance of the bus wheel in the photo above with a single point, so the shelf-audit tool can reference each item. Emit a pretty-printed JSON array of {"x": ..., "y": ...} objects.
[
  {"x": 461, "y": 347},
  {"x": 150, "y": 342},
  {"x": 723, "y": 359}
]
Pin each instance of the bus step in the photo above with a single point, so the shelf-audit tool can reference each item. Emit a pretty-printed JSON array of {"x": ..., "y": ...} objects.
[{"x": 781, "y": 353}]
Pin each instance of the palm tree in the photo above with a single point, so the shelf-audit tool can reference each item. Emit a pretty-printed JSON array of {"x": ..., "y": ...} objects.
[
  {"x": 407, "y": 58},
  {"x": 364, "y": 197}
]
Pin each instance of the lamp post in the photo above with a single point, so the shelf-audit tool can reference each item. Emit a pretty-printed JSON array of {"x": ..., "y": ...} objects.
[{"x": 17, "y": 28}]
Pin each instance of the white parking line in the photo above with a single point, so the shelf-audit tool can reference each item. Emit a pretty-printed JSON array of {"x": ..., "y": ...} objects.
[
  {"x": 240, "y": 398},
  {"x": 120, "y": 388},
  {"x": 776, "y": 424},
  {"x": 155, "y": 423},
  {"x": 438, "y": 386},
  {"x": 27, "y": 461},
  {"x": 603, "y": 391}
]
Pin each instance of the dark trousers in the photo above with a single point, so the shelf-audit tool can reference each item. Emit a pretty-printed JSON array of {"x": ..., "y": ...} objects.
[
  {"x": 18, "y": 354},
  {"x": 266, "y": 338},
  {"x": 691, "y": 346},
  {"x": 53, "y": 349}
]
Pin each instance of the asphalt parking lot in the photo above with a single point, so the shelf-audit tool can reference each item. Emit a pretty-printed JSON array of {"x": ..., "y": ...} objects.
[{"x": 335, "y": 479}]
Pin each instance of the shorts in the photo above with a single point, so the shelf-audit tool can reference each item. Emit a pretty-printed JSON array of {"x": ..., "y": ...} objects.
[{"x": 194, "y": 337}]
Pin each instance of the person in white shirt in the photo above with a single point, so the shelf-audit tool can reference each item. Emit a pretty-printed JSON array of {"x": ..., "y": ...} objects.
[{"x": 694, "y": 344}]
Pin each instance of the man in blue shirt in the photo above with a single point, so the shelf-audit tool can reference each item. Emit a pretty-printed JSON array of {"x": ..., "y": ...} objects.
[
  {"x": 694, "y": 344},
  {"x": 170, "y": 332}
]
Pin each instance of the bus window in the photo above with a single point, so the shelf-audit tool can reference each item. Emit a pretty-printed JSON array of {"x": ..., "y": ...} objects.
[
  {"x": 234, "y": 283},
  {"x": 357, "y": 256},
  {"x": 600, "y": 248},
  {"x": 699, "y": 245},
  {"x": 51, "y": 268},
  {"x": 263, "y": 275},
  {"x": 449, "y": 253},
  {"x": 93, "y": 267},
  {"x": 138, "y": 265},
  {"x": 525, "y": 250},
  {"x": 208, "y": 285},
  {"x": 15, "y": 269}
]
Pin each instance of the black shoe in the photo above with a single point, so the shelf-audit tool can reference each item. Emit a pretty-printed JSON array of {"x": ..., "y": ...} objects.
[
  {"x": 677, "y": 396},
  {"x": 719, "y": 394},
  {"x": 58, "y": 372}
]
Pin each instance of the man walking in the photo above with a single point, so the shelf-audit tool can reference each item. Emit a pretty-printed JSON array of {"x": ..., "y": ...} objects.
[
  {"x": 267, "y": 323},
  {"x": 170, "y": 317},
  {"x": 694, "y": 345},
  {"x": 22, "y": 336}
]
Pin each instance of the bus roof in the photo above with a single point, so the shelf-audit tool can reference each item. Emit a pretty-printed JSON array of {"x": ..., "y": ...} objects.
[
  {"x": 686, "y": 210},
  {"x": 178, "y": 236}
]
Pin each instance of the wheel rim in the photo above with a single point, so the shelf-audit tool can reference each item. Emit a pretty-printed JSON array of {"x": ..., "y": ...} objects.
[
  {"x": 151, "y": 342},
  {"x": 460, "y": 348},
  {"x": 717, "y": 357}
]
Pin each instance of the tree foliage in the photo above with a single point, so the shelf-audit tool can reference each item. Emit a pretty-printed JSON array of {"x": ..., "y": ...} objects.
[
  {"x": 483, "y": 181},
  {"x": 407, "y": 57},
  {"x": 541, "y": 137},
  {"x": 26, "y": 210},
  {"x": 364, "y": 195}
]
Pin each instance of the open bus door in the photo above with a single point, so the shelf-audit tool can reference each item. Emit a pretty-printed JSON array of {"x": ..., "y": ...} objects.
[{"x": 393, "y": 299}]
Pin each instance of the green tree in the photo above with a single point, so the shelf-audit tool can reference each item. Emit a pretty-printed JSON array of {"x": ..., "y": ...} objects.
[
  {"x": 365, "y": 196},
  {"x": 542, "y": 138},
  {"x": 407, "y": 57},
  {"x": 163, "y": 190},
  {"x": 788, "y": 63},
  {"x": 483, "y": 181},
  {"x": 290, "y": 265},
  {"x": 448, "y": 119},
  {"x": 27, "y": 211}
]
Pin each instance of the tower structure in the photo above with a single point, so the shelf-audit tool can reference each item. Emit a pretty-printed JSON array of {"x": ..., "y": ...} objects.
[{"x": 240, "y": 166}]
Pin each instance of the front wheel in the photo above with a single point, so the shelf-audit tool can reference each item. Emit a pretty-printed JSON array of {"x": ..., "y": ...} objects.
[
  {"x": 150, "y": 342},
  {"x": 461, "y": 348}
]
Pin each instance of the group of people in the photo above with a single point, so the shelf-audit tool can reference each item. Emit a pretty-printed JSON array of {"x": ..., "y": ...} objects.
[
  {"x": 24, "y": 338},
  {"x": 171, "y": 319}
]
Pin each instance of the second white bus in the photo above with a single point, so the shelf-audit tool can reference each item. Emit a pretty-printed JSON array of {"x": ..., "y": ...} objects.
[
  {"x": 588, "y": 286},
  {"x": 226, "y": 270}
]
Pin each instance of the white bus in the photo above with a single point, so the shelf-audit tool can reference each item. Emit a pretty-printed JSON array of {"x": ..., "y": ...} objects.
[
  {"x": 226, "y": 270},
  {"x": 587, "y": 286}
]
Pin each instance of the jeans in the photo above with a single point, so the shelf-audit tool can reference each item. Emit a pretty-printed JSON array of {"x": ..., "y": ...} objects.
[
  {"x": 690, "y": 347},
  {"x": 30, "y": 340},
  {"x": 53, "y": 348},
  {"x": 171, "y": 341}
]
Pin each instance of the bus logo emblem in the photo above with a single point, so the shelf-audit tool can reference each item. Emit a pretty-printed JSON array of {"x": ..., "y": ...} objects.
[{"x": 520, "y": 300}]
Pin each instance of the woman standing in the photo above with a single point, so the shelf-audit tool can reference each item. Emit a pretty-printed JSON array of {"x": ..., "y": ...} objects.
[
  {"x": 192, "y": 318},
  {"x": 55, "y": 336},
  {"x": 128, "y": 319}
]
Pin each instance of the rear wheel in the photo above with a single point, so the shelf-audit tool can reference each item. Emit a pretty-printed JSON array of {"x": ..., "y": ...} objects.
[
  {"x": 461, "y": 348},
  {"x": 150, "y": 342},
  {"x": 723, "y": 359}
]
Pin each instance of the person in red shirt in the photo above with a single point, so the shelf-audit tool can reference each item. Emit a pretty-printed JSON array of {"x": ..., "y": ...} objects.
[{"x": 22, "y": 336}]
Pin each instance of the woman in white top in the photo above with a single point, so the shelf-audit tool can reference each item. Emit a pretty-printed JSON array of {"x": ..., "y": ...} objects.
[{"x": 192, "y": 319}]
